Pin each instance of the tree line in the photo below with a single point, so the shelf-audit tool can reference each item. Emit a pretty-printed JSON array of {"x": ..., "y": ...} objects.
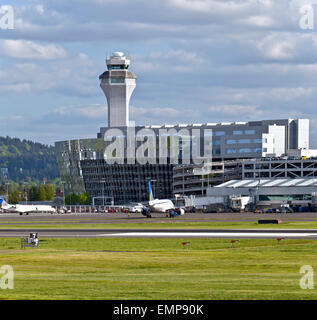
[
  {"x": 43, "y": 192},
  {"x": 17, "y": 193},
  {"x": 23, "y": 160},
  {"x": 73, "y": 199}
]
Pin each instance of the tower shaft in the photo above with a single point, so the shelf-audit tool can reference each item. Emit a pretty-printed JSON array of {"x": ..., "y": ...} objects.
[{"x": 118, "y": 84}]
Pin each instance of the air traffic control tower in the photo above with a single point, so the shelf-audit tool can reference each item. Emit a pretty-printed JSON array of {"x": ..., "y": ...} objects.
[{"x": 118, "y": 84}]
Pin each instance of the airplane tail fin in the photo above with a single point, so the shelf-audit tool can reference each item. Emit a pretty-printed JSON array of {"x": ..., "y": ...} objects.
[
  {"x": 150, "y": 192},
  {"x": 3, "y": 203}
]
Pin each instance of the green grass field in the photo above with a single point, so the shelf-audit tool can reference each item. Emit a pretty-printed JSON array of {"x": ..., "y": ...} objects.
[
  {"x": 167, "y": 224},
  {"x": 158, "y": 269}
]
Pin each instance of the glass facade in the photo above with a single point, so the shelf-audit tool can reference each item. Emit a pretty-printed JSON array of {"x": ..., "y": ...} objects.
[
  {"x": 288, "y": 197},
  {"x": 249, "y": 131},
  {"x": 243, "y": 141},
  {"x": 245, "y": 150},
  {"x": 117, "y": 67}
]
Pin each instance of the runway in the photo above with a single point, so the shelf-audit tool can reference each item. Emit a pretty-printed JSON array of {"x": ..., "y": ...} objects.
[
  {"x": 14, "y": 225},
  {"x": 161, "y": 233}
]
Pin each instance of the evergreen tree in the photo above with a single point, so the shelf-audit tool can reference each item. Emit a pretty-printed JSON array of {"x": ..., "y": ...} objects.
[
  {"x": 50, "y": 191},
  {"x": 27, "y": 160},
  {"x": 72, "y": 199},
  {"x": 84, "y": 198},
  {"x": 41, "y": 193},
  {"x": 33, "y": 194},
  {"x": 15, "y": 197}
]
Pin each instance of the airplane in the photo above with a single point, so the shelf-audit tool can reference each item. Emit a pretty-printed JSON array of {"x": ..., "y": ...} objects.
[
  {"x": 24, "y": 208},
  {"x": 159, "y": 205}
]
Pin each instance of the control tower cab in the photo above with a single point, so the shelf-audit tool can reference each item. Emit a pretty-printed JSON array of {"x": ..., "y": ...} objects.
[{"x": 118, "y": 84}]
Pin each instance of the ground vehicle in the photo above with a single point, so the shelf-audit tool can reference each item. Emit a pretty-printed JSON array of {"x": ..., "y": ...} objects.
[
  {"x": 63, "y": 210},
  {"x": 137, "y": 208}
]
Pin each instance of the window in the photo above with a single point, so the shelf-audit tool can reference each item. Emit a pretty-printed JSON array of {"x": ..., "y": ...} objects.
[
  {"x": 245, "y": 150},
  {"x": 217, "y": 142},
  {"x": 241, "y": 141},
  {"x": 116, "y": 67},
  {"x": 258, "y": 150},
  {"x": 249, "y": 131},
  {"x": 231, "y": 141},
  {"x": 229, "y": 151},
  {"x": 219, "y": 133},
  {"x": 285, "y": 197},
  {"x": 237, "y": 132},
  {"x": 216, "y": 151},
  {"x": 117, "y": 80},
  {"x": 258, "y": 140}
]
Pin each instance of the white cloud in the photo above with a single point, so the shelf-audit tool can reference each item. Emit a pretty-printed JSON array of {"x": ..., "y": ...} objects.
[
  {"x": 39, "y": 9},
  {"x": 288, "y": 94},
  {"x": 163, "y": 112},
  {"x": 259, "y": 21},
  {"x": 277, "y": 47},
  {"x": 212, "y": 5},
  {"x": 22, "y": 49},
  {"x": 93, "y": 112},
  {"x": 15, "y": 88},
  {"x": 232, "y": 110}
]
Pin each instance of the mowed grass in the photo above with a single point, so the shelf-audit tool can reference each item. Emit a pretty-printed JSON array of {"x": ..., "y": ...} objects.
[
  {"x": 158, "y": 269},
  {"x": 165, "y": 224}
]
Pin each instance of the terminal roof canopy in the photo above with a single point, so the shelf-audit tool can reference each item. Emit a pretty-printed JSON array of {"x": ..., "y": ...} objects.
[{"x": 252, "y": 183}]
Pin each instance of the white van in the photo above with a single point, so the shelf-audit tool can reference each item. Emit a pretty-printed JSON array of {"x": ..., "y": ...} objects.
[{"x": 137, "y": 208}]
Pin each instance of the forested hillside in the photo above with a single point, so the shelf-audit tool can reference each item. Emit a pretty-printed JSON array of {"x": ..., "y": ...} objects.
[{"x": 23, "y": 160}]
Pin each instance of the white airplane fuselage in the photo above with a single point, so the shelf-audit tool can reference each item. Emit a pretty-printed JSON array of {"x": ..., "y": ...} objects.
[
  {"x": 161, "y": 205},
  {"x": 25, "y": 208}
]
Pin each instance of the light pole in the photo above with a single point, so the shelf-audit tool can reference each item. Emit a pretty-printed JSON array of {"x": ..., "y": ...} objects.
[
  {"x": 26, "y": 192},
  {"x": 202, "y": 184},
  {"x": 7, "y": 184},
  {"x": 63, "y": 182},
  {"x": 103, "y": 191},
  {"x": 112, "y": 198}
]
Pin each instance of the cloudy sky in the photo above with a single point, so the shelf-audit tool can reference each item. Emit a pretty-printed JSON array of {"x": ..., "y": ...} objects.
[{"x": 196, "y": 61}]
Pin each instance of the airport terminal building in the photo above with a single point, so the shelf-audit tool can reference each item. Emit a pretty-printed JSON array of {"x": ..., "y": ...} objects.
[
  {"x": 116, "y": 165},
  {"x": 187, "y": 183}
]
